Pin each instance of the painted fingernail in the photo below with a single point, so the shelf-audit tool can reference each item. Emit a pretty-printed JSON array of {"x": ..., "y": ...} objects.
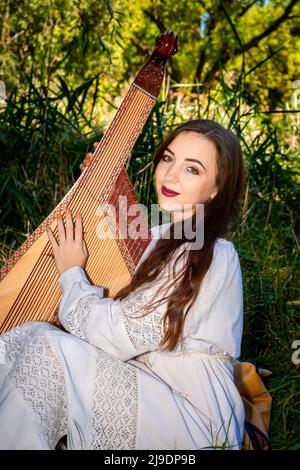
[
  {"x": 78, "y": 216},
  {"x": 59, "y": 216},
  {"x": 68, "y": 211}
]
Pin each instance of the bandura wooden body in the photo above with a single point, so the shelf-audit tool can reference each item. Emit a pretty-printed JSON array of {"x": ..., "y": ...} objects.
[{"x": 29, "y": 289}]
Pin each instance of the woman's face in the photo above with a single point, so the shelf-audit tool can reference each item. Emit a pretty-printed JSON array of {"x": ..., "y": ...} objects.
[{"x": 189, "y": 167}]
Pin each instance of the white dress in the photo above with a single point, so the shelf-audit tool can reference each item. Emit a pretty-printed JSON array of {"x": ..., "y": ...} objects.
[{"x": 107, "y": 385}]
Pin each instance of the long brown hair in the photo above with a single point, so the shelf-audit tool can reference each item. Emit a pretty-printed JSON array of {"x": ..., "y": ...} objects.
[{"x": 220, "y": 216}]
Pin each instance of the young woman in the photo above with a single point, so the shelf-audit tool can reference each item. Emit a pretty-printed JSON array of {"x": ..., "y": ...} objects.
[{"x": 153, "y": 367}]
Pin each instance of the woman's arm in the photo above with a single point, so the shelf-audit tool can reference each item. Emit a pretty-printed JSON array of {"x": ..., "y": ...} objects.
[
  {"x": 111, "y": 325},
  {"x": 84, "y": 312},
  {"x": 217, "y": 315}
]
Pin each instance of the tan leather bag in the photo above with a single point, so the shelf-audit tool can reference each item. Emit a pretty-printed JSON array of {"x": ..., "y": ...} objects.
[{"x": 257, "y": 402}]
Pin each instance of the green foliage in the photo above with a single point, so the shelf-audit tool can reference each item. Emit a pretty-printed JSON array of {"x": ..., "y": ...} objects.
[{"x": 43, "y": 137}]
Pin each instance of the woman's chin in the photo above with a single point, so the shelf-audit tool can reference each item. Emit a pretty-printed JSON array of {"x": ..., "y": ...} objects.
[{"x": 169, "y": 207}]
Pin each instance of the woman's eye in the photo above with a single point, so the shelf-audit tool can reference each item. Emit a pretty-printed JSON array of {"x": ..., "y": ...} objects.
[{"x": 194, "y": 170}]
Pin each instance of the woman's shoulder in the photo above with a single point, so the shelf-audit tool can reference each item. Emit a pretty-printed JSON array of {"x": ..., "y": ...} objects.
[
  {"x": 225, "y": 251},
  {"x": 225, "y": 244},
  {"x": 225, "y": 254},
  {"x": 224, "y": 240}
]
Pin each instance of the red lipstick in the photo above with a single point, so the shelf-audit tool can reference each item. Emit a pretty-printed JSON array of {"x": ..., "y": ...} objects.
[{"x": 168, "y": 192}]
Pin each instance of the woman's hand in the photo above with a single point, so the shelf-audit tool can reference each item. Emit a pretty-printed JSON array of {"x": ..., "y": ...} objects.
[
  {"x": 89, "y": 157},
  {"x": 71, "y": 249}
]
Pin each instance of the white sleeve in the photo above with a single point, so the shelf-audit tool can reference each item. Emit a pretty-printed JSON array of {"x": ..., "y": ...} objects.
[
  {"x": 105, "y": 322},
  {"x": 225, "y": 317},
  {"x": 216, "y": 317}
]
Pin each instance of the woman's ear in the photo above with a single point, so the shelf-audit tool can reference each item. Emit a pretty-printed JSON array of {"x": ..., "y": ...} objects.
[{"x": 214, "y": 193}]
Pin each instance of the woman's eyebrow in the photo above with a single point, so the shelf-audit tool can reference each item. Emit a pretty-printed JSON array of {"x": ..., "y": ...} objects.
[{"x": 187, "y": 159}]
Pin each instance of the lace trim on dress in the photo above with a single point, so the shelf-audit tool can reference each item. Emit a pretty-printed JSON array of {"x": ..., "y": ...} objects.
[
  {"x": 143, "y": 332},
  {"x": 14, "y": 341},
  {"x": 39, "y": 377},
  {"x": 114, "y": 405},
  {"x": 75, "y": 320}
]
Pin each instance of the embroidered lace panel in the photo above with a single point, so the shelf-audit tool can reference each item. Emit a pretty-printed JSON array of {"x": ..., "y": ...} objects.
[
  {"x": 146, "y": 332},
  {"x": 143, "y": 332},
  {"x": 114, "y": 405},
  {"x": 75, "y": 320},
  {"x": 15, "y": 340},
  {"x": 39, "y": 377}
]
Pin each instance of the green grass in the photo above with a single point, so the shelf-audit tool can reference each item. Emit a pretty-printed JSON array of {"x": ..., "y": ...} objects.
[{"x": 270, "y": 263}]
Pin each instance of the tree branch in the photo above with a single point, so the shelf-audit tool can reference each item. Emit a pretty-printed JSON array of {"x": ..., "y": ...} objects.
[
  {"x": 210, "y": 25},
  {"x": 140, "y": 47},
  {"x": 226, "y": 54},
  {"x": 275, "y": 25},
  {"x": 155, "y": 20},
  {"x": 246, "y": 8}
]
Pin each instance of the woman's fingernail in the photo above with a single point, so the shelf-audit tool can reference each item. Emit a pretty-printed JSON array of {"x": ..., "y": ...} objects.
[
  {"x": 68, "y": 211},
  {"x": 78, "y": 216},
  {"x": 59, "y": 216}
]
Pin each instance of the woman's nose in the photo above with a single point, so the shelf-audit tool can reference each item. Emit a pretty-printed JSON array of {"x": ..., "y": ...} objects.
[{"x": 172, "y": 174}]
